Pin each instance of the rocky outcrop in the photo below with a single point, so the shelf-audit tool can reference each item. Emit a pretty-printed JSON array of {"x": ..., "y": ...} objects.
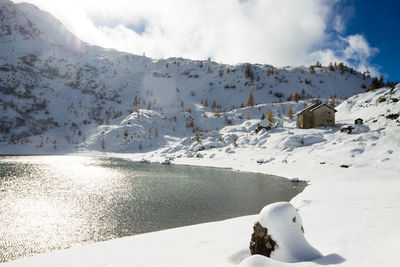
[{"x": 261, "y": 242}]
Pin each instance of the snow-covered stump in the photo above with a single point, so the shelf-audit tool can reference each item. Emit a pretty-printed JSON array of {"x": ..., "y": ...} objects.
[{"x": 279, "y": 234}]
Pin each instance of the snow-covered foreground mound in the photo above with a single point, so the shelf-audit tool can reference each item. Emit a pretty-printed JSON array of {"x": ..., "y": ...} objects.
[
  {"x": 285, "y": 226},
  {"x": 351, "y": 215}
]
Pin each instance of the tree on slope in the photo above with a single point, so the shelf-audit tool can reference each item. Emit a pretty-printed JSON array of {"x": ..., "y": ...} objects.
[
  {"x": 270, "y": 117},
  {"x": 250, "y": 99},
  {"x": 290, "y": 112}
]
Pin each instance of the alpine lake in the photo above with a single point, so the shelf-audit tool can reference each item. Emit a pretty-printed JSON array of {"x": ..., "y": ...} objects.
[{"x": 55, "y": 202}]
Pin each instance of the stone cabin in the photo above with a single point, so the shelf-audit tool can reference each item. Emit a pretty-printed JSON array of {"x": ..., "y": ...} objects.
[
  {"x": 317, "y": 115},
  {"x": 358, "y": 121}
]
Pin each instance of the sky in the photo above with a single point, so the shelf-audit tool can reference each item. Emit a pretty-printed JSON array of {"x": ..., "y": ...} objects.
[{"x": 360, "y": 33}]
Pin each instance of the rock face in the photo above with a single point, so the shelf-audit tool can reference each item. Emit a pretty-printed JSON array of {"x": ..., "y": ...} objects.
[{"x": 261, "y": 242}]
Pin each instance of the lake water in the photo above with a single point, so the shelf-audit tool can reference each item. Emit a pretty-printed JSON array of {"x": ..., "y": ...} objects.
[{"x": 54, "y": 202}]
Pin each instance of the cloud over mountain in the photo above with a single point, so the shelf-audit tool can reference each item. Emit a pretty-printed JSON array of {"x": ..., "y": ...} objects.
[{"x": 288, "y": 32}]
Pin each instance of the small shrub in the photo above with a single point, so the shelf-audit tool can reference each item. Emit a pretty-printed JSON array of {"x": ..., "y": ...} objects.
[
  {"x": 217, "y": 113},
  {"x": 197, "y": 136},
  {"x": 234, "y": 140}
]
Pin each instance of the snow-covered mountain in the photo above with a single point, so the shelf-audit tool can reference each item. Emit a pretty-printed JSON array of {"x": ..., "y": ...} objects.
[{"x": 58, "y": 92}]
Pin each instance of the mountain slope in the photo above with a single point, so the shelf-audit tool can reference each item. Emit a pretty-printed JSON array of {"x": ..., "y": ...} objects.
[{"x": 59, "y": 92}]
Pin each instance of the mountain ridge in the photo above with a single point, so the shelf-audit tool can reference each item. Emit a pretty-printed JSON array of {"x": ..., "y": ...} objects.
[{"x": 54, "y": 85}]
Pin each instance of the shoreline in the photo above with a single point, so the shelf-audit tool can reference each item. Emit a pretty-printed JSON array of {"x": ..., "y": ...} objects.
[{"x": 316, "y": 206}]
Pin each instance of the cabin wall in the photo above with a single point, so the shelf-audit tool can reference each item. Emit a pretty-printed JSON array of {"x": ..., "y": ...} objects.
[
  {"x": 323, "y": 116},
  {"x": 300, "y": 121},
  {"x": 304, "y": 120}
]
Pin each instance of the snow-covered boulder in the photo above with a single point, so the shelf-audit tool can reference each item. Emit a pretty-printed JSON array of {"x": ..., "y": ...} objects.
[
  {"x": 284, "y": 235},
  {"x": 293, "y": 141}
]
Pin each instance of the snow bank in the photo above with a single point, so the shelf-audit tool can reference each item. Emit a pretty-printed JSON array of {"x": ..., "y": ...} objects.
[
  {"x": 292, "y": 141},
  {"x": 285, "y": 226}
]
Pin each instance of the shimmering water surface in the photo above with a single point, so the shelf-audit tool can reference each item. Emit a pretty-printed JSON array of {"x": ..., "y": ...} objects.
[{"x": 54, "y": 202}]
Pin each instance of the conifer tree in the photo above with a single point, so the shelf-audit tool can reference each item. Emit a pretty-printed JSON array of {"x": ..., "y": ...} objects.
[
  {"x": 270, "y": 117},
  {"x": 103, "y": 144},
  {"x": 333, "y": 102},
  {"x": 214, "y": 103},
  {"x": 330, "y": 67},
  {"x": 296, "y": 96},
  {"x": 250, "y": 99},
  {"x": 290, "y": 112},
  {"x": 249, "y": 72}
]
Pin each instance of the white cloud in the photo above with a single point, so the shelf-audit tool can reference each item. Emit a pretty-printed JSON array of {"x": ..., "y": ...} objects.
[
  {"x": 278, "y": 32},
  {"x": 352, "y": 50},
  {"x": 339, "y": 24}
]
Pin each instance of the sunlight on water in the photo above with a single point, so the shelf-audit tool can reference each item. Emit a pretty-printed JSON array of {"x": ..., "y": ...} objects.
[
  {"x": 48, "y": 195},
  {"x": 54, "y": 202}
]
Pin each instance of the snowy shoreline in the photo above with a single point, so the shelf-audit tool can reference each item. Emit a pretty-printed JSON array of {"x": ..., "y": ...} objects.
[{"x": 187, "y": 246}]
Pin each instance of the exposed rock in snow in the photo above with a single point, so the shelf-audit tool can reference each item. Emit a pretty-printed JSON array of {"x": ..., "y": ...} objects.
[
  {"x": 261, "y": 242},
  {"x": 285, "y": 227}
]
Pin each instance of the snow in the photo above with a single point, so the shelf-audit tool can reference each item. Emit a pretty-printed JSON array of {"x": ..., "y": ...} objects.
[
  {"x": 284, "y": 224},
  {"x": 350, "y": 215}
]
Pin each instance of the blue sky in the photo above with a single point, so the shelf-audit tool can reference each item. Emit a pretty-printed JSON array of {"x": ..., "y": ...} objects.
[
  {"x": 379, "y": 22},
  {"x": 361, "y": 33}
]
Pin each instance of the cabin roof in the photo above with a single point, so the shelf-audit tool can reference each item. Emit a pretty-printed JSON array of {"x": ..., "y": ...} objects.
[
  {"x": 314, "y": 107},
  {"x": 320, "y": 105},
  {"x": 307, "y": 108}
]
